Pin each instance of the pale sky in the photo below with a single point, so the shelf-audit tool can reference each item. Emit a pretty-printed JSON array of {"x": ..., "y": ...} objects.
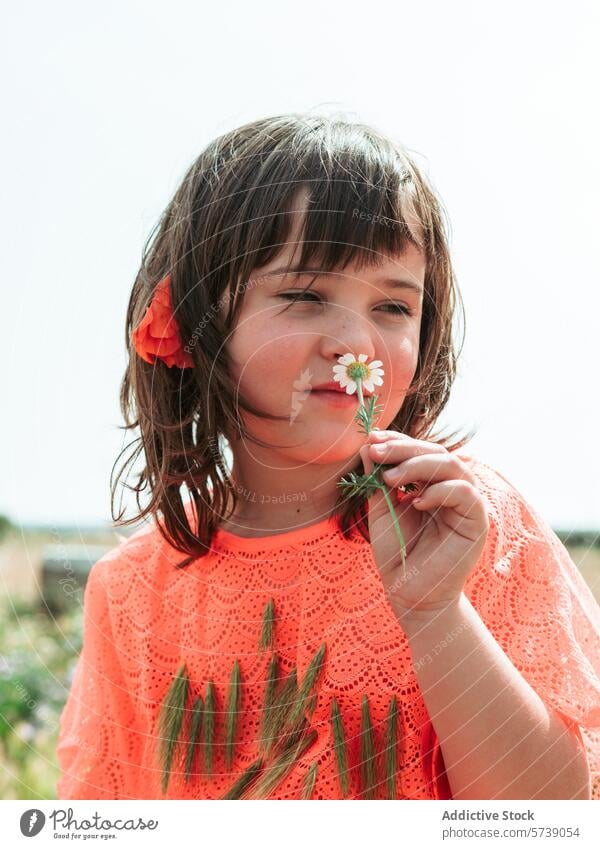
[{"x": 105, "y": 108}]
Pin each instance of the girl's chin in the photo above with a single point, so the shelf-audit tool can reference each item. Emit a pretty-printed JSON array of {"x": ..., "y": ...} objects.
[{"x": 340, "y": 451}]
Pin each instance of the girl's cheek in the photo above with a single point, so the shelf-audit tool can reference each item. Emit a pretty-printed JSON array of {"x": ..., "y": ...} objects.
[{"x": 404, "y": 365}]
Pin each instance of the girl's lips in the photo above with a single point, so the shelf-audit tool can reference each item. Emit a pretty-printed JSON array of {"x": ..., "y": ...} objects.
[{"x": 334, "y": 398}]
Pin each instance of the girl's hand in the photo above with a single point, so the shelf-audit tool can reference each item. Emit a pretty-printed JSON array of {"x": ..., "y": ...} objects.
[{"x": 444, "y": 536}]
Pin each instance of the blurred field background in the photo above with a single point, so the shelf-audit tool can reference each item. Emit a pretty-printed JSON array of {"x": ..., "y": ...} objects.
[{"x": 39, "y": 646}]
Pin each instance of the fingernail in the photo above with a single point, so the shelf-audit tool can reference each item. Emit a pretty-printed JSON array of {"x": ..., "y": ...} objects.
[{"x": 378, "y": 449}]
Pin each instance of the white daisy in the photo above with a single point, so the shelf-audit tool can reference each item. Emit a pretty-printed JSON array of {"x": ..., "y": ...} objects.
[{"x": 351, "y": 370}]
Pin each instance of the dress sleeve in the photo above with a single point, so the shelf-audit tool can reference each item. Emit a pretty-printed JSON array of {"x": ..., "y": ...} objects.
[
  {"x": 538, "y": 607},
  {"x": 98, "y": 747}
]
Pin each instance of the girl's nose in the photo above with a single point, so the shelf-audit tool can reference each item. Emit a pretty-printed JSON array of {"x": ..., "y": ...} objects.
[
  {"x": 356, "y": 341},
  {"x": 355, "y": 347}
]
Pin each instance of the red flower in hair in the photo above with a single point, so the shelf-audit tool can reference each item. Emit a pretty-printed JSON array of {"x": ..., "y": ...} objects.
[{"x": 157, "y": 335}]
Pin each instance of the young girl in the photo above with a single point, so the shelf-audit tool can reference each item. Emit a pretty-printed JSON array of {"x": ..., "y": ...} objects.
[{"x": 267, "y": 638}]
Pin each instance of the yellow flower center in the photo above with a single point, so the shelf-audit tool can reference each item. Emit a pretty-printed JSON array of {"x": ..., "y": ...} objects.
[{"x": 358, "y": 371}]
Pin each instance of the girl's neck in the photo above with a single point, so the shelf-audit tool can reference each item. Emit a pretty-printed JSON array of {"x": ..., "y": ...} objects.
[
  {"x": 272, "y": 499},
  {"x": 251, "y": 530},
  {"x": 265, "y": 518}
]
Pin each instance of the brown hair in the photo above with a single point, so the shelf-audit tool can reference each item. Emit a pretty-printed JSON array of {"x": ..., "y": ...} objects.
[{"x": 228, "y": 217}]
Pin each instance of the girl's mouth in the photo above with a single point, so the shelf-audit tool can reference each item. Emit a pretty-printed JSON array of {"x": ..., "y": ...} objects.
[{"x": 334, "y": 398}]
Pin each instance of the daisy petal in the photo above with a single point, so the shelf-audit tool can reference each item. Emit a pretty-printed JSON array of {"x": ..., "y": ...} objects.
[
  {"x": 351, "y": 388},
  {"x": 375, "y": 364},
  {"x": 362, "y": 358},
  {"x": 346, "y": 359}
]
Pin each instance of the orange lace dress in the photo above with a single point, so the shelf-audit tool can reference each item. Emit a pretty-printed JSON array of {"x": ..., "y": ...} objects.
[{"x": 143, "y": 619}]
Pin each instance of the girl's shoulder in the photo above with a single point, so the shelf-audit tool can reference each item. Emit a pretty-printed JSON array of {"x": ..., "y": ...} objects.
[
  {"x": 144, "y": 557},
  {"x": 524, "y": 559},
  {"x": 497, "y": 489},
  {"x": 514, "y": 520},
  {"x": 485, "y": 471}
]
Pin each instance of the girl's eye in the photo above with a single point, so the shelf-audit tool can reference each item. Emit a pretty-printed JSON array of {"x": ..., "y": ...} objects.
[
  {"x": 397, "y": 309},
  {"x": 400, "y": 309},
  {"x": 292, "y": 296}
]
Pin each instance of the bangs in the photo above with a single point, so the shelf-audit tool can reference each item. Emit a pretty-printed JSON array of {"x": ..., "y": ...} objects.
[
  {"x": 350, "y": 220},
  {"x": 362, "y": 201}
]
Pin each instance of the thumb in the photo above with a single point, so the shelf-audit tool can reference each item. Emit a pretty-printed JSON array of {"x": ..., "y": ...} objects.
[{"x": 368, "y": 464}]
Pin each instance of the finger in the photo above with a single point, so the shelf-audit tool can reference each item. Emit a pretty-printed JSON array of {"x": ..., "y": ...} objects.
[
  {"x": 458, "y": 495},
  {"x": 377, "y": 435},
  {"x": 428, "y": 468},
  {"x": 398, "y": 450}
]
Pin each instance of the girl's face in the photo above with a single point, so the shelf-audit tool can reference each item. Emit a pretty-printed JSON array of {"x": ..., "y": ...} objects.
[{"x": 278, "y": 358}]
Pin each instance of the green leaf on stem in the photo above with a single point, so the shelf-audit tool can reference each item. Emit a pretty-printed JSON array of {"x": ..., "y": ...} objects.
[
  {"x": 194, "y": 736},
  {"x": 309, "y": 781},
  {"x": 170, "y": 721},
  {"x": 266, "y": 637},
  {"x": 367, "y": 752},
  {"x": 391, "y": 740},
  {"x": 209, "y": 727},
  {"x": 233, "y": 710},
  {"x": 339, "y": 739}
]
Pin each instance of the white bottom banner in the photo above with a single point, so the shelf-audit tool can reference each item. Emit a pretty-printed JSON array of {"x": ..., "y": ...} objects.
[{"x": 284, "y": 824}]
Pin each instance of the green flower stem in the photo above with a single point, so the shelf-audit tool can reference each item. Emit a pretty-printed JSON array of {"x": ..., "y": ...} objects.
[
  {"x": 360, "y": 393},
  {"x": 382, "y": 485},
  {"x": 390, "y": 504}
]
